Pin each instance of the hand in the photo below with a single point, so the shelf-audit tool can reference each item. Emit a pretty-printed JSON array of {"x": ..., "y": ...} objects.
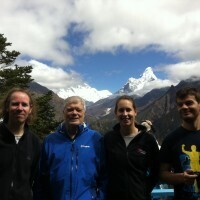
[{"x": 189, "y": 177}]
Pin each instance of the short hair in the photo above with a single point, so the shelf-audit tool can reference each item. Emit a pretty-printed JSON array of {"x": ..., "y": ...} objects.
[
  {"x": 5, "y": 104},
  {"x": 75, "y": 99},
  {"x": 125, "y": 97},
  {"x": 184, "y": 92}
]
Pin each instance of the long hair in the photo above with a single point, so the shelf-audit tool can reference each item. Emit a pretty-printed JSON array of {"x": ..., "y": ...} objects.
[{"x": 6, "y": 102}]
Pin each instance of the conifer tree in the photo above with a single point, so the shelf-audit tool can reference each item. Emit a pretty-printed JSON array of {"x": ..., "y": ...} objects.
[
  {"x": 6, "y": 57},
  {"x": 45, "y": 122},
  {"x": 11, "y": 76},
  {"x": 15, "y": 77}
]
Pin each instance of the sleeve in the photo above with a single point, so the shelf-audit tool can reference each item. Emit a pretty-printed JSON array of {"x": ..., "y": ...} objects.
[
  {"x": 43, "y": 183},
  {"x": 103, "y": 178},
  {"x": 152, "y": 178},
  {"x": 165, "y": 151}
]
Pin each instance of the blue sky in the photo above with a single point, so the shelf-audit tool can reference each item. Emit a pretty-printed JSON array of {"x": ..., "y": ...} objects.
[
  {"x": 111, "y": 71},
  {"x": 103, "y": 42}
]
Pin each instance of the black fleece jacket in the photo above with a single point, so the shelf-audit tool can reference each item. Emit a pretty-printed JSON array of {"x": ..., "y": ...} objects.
[
  {"x": 132, "y": 169},
  {"x": 18, "y": 164}
]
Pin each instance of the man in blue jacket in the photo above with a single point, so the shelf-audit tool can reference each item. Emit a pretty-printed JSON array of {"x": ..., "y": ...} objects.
[{"x": 72, "y": 165}]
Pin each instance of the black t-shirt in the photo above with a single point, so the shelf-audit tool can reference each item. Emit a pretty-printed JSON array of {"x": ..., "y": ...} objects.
[{"x": 181, "y": 149}]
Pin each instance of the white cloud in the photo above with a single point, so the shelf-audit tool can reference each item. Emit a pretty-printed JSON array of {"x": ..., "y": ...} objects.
[
  {"x": 182, "y": 71},
  {"x": 155, "y": 84},
  {"x": 39, "y": 28},
  {"x": 54, "y": 78},
  {"x": 173, "y": 27}
]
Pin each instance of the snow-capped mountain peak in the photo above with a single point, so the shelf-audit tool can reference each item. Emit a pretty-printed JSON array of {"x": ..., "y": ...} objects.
[
  {"x": 85, "y": 91},
  {"x": 134, "y": 85},
  {"x": 148, "y": 75}
]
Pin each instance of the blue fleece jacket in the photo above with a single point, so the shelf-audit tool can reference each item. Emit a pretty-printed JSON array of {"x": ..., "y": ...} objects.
[{"x": 72, "y": 169}]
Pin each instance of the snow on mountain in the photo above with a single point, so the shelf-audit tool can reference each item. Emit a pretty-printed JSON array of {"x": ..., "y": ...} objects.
[
  {"x": 85, "y": 91},
  {"x": 107, "y": 111},
  {"x": 137, "y": 86},
  {"x": 134, "y": 86}
]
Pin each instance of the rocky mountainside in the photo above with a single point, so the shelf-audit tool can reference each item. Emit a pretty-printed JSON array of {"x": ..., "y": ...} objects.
[
  {"x": 163, "y": 112},
  {"x": 105, "y": 107},
  {"x": 157, "y": 105}
]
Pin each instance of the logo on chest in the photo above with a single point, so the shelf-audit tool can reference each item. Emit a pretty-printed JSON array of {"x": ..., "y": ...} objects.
[
  {"x": 85, "y": 146},
  {"x": 140, "y": 151}
]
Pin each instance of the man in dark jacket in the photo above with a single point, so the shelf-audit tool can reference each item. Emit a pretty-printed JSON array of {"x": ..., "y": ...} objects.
[{"x": 19, "y": 148}]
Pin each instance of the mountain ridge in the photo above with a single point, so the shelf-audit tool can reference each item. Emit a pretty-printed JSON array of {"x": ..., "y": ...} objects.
[
  {"x": 158, "y": 105},
  {"x": 134, "y": 86}
]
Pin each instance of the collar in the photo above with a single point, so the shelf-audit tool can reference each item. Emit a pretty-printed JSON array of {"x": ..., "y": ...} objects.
[{"x": 62, "y": 128}]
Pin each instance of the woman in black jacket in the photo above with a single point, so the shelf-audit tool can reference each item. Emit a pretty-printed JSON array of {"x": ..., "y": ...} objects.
[
  {"x": 19, "y": 148},
  {"x": 131, "y": 155}
]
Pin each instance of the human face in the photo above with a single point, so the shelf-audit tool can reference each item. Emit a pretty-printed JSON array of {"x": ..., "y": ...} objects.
[
  {"x": 74, "y": 113},
  {"x": 19, "y": 108},
  {"x": 125, "y": 113},
  {"x": 188, "y": 108}
]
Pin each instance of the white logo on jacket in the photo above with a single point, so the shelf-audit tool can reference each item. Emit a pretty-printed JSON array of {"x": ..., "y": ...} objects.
[{"x": 85, "y": 146}]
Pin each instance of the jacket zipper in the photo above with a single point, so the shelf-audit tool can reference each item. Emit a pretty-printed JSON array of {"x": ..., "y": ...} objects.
[
  {"x": 14, "y": 167},
  {"x": 72, "y": 168},
  {"x": 76, "y": 160}
]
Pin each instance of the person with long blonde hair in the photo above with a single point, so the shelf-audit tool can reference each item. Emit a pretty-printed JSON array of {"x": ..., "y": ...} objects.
[{"x": 19, "y": 147}]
